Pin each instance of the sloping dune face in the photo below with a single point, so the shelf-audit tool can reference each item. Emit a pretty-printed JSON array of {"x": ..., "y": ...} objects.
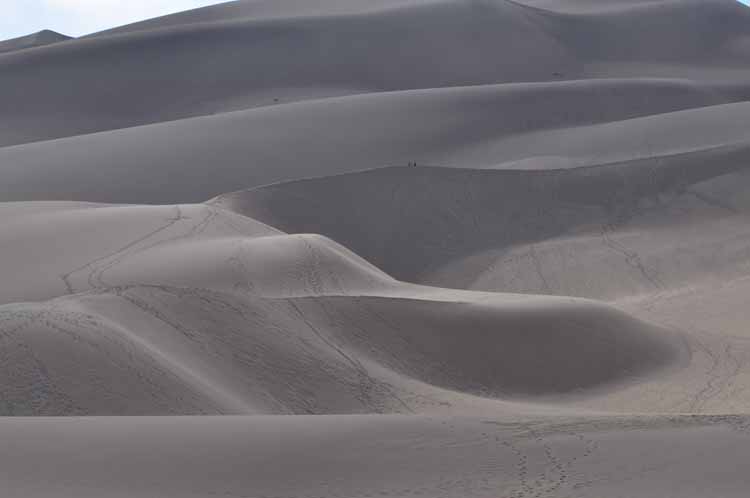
[
  {"x": 251, "y": 54},
  {"x": 40, "y": 39},
  {"x": 476, "y": 127},
  {"x": 163, "y": 350},
  {"x": 517, "y": 227},
  {"x": 469, "y": 226},
  {"x": 194, "y": 309}
]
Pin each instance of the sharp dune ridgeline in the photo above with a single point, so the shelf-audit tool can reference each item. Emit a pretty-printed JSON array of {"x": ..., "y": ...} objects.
[{"x": 397, "y": 248}]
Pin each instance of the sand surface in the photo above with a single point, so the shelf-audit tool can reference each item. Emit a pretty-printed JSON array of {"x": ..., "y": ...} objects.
[
  {"x": 40, "y": 39},
  {"x": 222, "y": 276}
]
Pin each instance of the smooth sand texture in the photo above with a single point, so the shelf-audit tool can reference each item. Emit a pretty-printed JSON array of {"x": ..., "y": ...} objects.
[
  {"x": 360, "y": 456},
  {"x": 465, "y": 224},
  {"x": 40, "y": 39},
  {"x": 197, "y": 293},
  {"x": 220, "y": 59},
  {"x": 468, "y": 126},
  {"x": 209, "y": 217}
]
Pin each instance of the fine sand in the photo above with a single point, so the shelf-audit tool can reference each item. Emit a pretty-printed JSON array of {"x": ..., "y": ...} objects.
[
  {"x": 395, "y": 248},
  {"x": 40, "y": 39}
]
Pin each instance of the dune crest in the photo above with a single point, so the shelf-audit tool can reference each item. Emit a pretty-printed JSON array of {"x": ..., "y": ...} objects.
[
  {"x": 39, "y": 39},
  {"x": 498, "y": 248},
  {"x": 179, "y": 312}
]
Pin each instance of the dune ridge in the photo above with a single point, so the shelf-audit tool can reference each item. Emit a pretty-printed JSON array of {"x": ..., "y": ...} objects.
[
  {"x": 305, "y": 302},
  {"x": 397, "y": 248},
  {"x": 535, "y": 45},
  {"x": 38, "y": 39},
  {"x": 456, "y": 214},
  {"x": 469, "y": 127}
]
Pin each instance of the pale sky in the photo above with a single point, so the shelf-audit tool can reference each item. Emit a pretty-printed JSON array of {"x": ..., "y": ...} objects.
[{"x": 79, "y": 17}]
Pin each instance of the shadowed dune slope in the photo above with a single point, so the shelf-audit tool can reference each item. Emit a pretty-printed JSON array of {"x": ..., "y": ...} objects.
[
  {"x": 166, "y": 350},
  {"x": 470, "y": 127},
  {"x": 192, "y": 309},
  {"x": 325, "y": 62},
  {"x": 139, "y": 77},
  {"x": 455, "y": 227},
  {"x": 664, "y": 134}
]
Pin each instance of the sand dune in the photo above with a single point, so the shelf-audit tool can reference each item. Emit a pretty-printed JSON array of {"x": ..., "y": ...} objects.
[
  {"x": 660, "y": 135},
  {"x": 169, "y": 290},
  {"x": 665, "y": 239},
  {"x": 398, "y": 41},
  {"x": 264, "y": 9},
  {"x": 467, "y": 226},
  {"x": 290, "y": 57},
  {"x": 40, "y": 39},
  {"x": 51, "y": 252},
  {"x": 166, "y": 350},
  {"x": 211, "y": 213},
  {"x": 469, "y": 127}
]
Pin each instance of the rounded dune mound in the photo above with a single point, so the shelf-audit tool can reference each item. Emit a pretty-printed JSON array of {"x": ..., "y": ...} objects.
[
  {"x": 97, "y": 247},
  {"x": 64, "y": 362},
  {"x": 53, "y": 249},
  {"x": 505, "y": 346},
  {"x": 270, "y": 266},
  {"x": 159, "y": 349},
  {"x": 194, "y": 309}
]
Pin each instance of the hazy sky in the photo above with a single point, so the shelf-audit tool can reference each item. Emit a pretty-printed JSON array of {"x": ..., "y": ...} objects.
[{"x": 78, "y": 17}]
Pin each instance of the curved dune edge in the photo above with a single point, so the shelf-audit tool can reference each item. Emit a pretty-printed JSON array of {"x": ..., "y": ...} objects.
[
  {"x": 474, "y": 127},
  {"x": 500, "y": 230},
  {"x": 664, "y": 238},
  {"x": 525, "y": 44},
  {"x": 565, "y": 316},
  {"x": 199, "y": 310},
  {"x": 163, "y": 350}
]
